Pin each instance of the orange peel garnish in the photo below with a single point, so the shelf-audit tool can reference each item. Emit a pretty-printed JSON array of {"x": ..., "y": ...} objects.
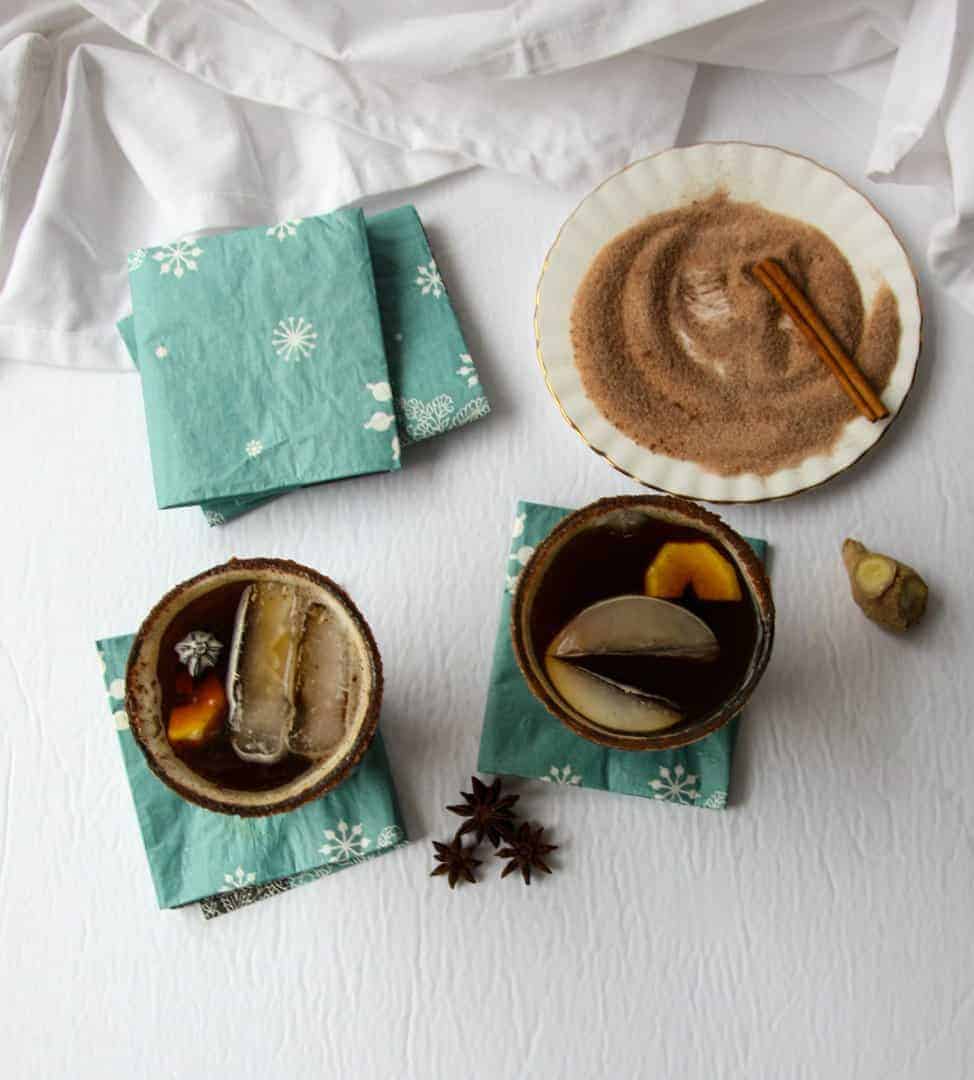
[
  {"x": 201, "y": 718},
  {"x": 694, "y": 564}
]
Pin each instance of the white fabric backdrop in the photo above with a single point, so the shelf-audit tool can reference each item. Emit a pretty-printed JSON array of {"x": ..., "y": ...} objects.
[{"x": 125, "y": 123}]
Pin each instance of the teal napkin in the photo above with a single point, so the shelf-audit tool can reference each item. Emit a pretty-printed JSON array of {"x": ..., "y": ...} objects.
[
  {"x": 521, "y": 738},
  {"x": 433, "y": 385},
  {"x": 259, "y": 357},
  {"x": 226, "y": 862}
]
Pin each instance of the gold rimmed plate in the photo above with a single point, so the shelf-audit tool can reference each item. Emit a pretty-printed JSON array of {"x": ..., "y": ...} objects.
[{"x": 782, "y": 182}]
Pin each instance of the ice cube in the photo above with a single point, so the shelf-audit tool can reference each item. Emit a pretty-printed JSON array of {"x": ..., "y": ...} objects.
[
  {"x": 608, "y": 703},
  {"x": 263, "y": 664},
  {"x": 328, "y": 685}
]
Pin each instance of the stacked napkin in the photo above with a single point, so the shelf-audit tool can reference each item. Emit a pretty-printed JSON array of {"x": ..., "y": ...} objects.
[
  {"x": 521, "y": 738},
  {"x": 226, "y": 862},
  {"x": 311, "y": 350}
]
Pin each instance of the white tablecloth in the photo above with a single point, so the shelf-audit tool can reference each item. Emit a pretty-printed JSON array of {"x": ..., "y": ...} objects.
[{"x": 821, "y": 927}]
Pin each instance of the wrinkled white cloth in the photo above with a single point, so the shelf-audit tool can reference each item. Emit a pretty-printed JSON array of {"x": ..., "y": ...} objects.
[{"x": 126, "y": 123}]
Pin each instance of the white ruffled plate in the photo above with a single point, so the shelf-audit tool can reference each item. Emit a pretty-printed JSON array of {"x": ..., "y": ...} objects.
[{"x": 781, "y": 181}]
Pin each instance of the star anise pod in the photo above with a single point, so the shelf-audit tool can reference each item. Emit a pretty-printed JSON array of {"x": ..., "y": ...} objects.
[
  {"x": 456, "y": 861},
  {"x": 526, "y": 851},
  {"x": 488, "y": 815}
]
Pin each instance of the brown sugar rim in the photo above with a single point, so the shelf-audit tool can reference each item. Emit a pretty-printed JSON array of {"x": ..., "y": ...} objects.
[{"x": 367, "y": 728}]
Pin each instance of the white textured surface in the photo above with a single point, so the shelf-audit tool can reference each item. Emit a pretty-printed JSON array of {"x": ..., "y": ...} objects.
[{"x": 820, "y": 928}]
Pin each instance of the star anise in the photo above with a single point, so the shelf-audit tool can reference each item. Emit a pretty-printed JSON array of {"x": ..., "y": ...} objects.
[
  {"x": 456, "y": 861},
  {"x": 488, "y": 815},
  {"x": 526, "y": 851}
]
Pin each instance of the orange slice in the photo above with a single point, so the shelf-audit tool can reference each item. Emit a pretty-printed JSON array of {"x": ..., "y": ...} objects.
[
  {"x": 198, "y": 721},
  {"x": 694, "y": 563}
]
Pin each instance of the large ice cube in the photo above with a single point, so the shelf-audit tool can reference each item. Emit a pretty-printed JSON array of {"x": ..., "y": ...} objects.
[
  {"x": 328, "y": 685},
  {"x": 263, "y": 665}
]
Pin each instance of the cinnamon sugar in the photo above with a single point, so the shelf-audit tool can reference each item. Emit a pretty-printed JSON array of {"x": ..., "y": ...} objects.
[{"x": 683, "y": 350}]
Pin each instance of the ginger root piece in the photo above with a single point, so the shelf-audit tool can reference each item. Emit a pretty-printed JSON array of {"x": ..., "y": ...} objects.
[{"x": 888, "y": 591}]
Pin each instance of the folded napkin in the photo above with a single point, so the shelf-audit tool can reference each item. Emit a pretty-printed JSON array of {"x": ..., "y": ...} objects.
[
  {"x": 429, "y": 385},
  {"x": 256, "y": 356},
  {"x": 521, "y": 738},
  {"x": 227, "y": 862}
]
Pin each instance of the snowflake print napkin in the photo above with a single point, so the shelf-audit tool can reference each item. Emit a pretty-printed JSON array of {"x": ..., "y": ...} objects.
[
  {"x": 436, "y": 385},
  {"x": 433, "y": 385},
  {"x": 257, "y": 351},
  {"x": 521, "y": 738},
  {"x": 227, "y": 862}
]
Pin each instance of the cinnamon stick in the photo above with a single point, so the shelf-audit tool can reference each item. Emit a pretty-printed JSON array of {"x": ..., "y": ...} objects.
[{"x": 796, "y": 305}]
